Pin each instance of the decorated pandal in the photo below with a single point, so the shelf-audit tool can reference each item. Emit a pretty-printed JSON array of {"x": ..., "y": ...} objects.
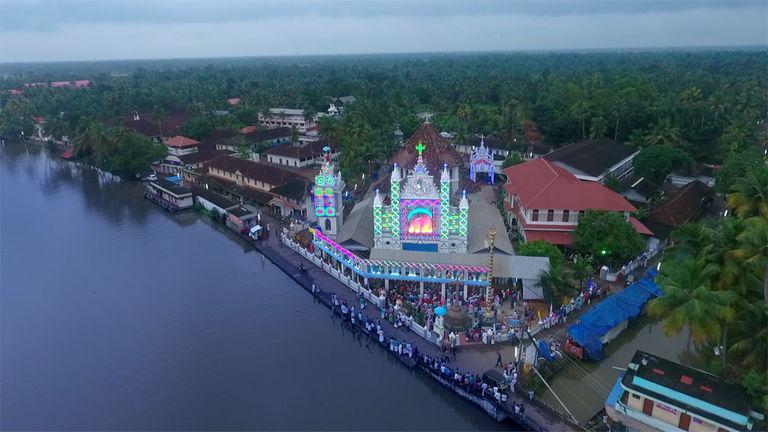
[
  {"x": 481, "y": 161},
  {"x": 420, "y": 259}
]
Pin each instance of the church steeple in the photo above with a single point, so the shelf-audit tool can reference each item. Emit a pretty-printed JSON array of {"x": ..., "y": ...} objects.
[{"x": 327, "y": 195}]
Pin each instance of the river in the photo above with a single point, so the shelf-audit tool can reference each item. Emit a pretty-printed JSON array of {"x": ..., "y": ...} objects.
[{"x": 117, "y": 315}]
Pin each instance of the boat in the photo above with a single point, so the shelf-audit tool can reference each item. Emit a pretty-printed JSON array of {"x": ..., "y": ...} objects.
[{"x": 604, "y": 322}]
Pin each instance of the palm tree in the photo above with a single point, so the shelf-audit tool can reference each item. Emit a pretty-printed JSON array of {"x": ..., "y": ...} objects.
[
  {"x": 689, "y": 301},
  {"x": 663, "y": 132},
  {"x": 294, "y": 135},
  {"x": 580, "y": 110},
  {"x": 556, "y": 283},
  {"x": 159, "y": 116},
  {"x": 751, "y": 336},
  {"x": 691, "y": 239},
  {"x": 753, "y": 249},
  {"x": 598, "y": 127},
  {"x": 582, "y": 269},
  {"x": 749, "y": 194}
]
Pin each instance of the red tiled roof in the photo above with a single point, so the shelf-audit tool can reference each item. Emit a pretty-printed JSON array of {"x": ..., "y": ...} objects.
[
  {"x": 248, "y": 129},
  {"x": 639, "y": 227},
  {"x": 233, "y": 101},
  {"x": 437, "y": 150},
  {"x": 61, "y": 84},
  {"x": 310, "y": 150},
  {"x": 82, "y": 83},
  {"x": 683, "y": 205},
  {"x": 561, "y": 238},
  {"x": 269, "y": 174},
  {"x": 181, "y": 141},
  {"x": 540, "y": 184}
]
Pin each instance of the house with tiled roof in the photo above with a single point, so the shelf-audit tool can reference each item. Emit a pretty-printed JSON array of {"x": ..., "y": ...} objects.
[
  {"x": 544, "y": 201},
  {"x": 596, "y": 159},
  {"x": 299, "y": 155},
  {"x": 145, "y": 124},
  {"x": 682, "y": 206},
  {"x": 277, "y": 188}
]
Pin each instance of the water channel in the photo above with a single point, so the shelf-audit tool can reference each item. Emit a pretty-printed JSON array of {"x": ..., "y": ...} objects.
[
  {"x": 117, "y": 315},
  {"x": 584, "y": 386}
]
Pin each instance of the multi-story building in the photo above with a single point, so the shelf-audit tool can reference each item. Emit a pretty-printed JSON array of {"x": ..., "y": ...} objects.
[
  {"x": 544, "y": 201},
  {"x": 660, "y": 395},
  {"x": 299, "y": 155},
  {"x": 596, "y": 160},
  {"x": 288, "y": 117},
  {"x": 282, "y": 190}
]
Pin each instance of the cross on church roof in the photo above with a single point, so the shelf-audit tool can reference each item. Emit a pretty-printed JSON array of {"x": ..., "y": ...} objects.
[{"x": 420, "y": 148}]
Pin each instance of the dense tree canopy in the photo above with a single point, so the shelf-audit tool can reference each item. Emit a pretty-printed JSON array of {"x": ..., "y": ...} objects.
[
  {"x": 705, "y": 103},
  {"x": 608, "y": 237},
  {"x": 655, "y": 162}
]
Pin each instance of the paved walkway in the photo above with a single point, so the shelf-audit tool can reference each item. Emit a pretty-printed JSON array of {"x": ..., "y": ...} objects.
[{"x": 475, "y": 359}]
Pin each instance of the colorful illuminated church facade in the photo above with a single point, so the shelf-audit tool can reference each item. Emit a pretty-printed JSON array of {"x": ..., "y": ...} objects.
[
  {"x": 327, "y": 197},
  {"x": 420, "y": 216}
]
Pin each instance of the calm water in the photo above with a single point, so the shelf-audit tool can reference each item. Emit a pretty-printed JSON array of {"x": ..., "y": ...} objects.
[{"x": 117, "y": 315}]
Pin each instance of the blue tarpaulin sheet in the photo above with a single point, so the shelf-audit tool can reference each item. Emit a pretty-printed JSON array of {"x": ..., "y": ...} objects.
[
  {"x": 544, "y": 350},
  {"x": 613, "y": 311}
]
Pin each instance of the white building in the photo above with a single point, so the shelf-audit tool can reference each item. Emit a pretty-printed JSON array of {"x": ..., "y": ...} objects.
[{"x": 289, "y": 117}]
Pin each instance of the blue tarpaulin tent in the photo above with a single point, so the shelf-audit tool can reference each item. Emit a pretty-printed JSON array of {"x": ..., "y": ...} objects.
[{"x": 612, "y": 312}]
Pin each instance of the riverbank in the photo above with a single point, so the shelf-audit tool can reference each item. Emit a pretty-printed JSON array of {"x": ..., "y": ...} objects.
[
  {"x": 117, "y": 315},
  {"x": 476, "y": 361}
]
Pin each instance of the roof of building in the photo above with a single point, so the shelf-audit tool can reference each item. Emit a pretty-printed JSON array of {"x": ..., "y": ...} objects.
[
  {"x": 437, "y": 150},
  {"x": 233, "y": 101},
  {"x": 242, "y": 212},
  {"x": 560, "y": 238},
  {"x": 591, "y": 157},
  {"x": 181, "y": 142},
  {"x": 540, "y": 184},
  {"x": 202, "y": 156},
  {"x": 489, "y": 142},
  {"x": 295, "y": 189},
  {"x": 215, "y": 137},
  {"x": 529, "y": 147},
  {"x": 639, "y": 227},
  {"x": 504, "y": 266},
  {"x": 256, "y": 135},
  {"x": 356, "y": 233},
  {"x": 264, "y": 173},
  {"x": 683, "y": 386},
  {"x": 287, "y": 111},
  {"x": 309, "y": 150},
  {"x": 144, "y": 123},
  {"x": 683, "y": 205},
  {"x": 216, "y": 199},
  {"x": 170, "y": 187}
]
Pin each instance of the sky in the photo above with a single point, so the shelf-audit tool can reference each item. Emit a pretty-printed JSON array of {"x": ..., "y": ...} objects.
[{"x": 139, "y": 29}]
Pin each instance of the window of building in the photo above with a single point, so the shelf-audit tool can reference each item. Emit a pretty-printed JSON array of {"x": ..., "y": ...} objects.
[
  {"x": 535, "y": 215},
  {"x": 566, "y": 215},
  {"x": 581, "y": 213},
  {"x": 327, "y": 224},
  {"x": 550, "y": 215}
]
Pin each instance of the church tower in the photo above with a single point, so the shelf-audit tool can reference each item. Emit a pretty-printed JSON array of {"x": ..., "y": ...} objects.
[{"x": 327, "y": 194}]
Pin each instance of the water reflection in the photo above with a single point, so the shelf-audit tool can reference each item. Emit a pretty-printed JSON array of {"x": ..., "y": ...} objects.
[{"x": 117, "y": 315}]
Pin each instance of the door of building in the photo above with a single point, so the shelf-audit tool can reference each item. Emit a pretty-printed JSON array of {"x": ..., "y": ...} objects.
[
  {"x": 648, "y": 407},
  {"x": 685, "y": 421}
]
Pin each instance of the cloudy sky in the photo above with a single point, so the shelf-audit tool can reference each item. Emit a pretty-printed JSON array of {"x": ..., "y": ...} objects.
[{"x": 116, "y": 29}]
